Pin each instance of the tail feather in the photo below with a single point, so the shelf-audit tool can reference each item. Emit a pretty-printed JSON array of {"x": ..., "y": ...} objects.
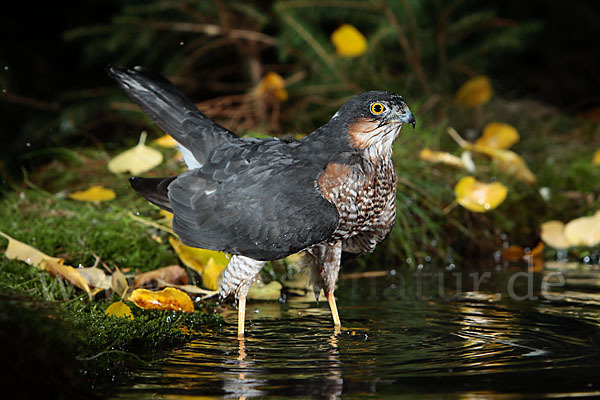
[
  {"x": 172, "y": 111},
  {"x": 155, "y": 190}
]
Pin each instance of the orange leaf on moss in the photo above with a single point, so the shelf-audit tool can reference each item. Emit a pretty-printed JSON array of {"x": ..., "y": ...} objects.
[{"x": 166, "y": 299}]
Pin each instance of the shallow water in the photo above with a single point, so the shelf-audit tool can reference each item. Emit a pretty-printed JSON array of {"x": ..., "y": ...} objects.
[{"x": 483, "y": 333}]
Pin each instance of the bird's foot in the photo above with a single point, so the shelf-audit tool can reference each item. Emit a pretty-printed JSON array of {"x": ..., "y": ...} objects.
[
  {"x": 241, "y": 316},
  {"x": 334, "y": 312}
]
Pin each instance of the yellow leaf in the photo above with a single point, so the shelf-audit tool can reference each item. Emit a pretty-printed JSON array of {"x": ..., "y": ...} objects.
[
  {"x": 498, "y": 135},
  {"x": 166, "y": 141},
  {"x": 348, "y": 41},
  {"x": 119, "y": 309},
  {"x": 553, "y": 234},
  {"x": 137, "y": 160},
  {"x": 94, "y": 193},
  {"x": 596, "y": 159},
  {"x": 166, "y": 299},
  {"x": 474, "y": 92},
  {"x": 119, "y": 283},
  {"x": 69, "y": 273},
  {"x": 17, "y": 250},
  {"x": 478, "y": 196},
  {"x": 273, "y": 84},
  {"x": 584, "y": 231},
  {"x": 271, "y": 291},
  {"x": 509, "y": 161},
  {"x": 441, "y": 157},
  {"x": 208, "y": 263}
]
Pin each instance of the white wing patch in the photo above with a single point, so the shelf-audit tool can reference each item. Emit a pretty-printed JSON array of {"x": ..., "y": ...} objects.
[{"x": 189, "y": 158}]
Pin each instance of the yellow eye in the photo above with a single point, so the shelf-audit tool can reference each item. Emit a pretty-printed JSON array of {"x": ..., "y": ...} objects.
[{"x": 377, "y": 108}]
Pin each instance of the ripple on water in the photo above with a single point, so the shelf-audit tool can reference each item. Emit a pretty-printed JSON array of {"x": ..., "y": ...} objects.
[{"x": 480, "y": 344}]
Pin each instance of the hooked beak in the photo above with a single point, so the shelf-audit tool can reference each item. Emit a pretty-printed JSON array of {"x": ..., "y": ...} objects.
[{"x": 408, "y": 118}]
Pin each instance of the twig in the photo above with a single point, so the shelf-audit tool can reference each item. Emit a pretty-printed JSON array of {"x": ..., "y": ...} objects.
[
  {"x": 411, "y": 55},
  {"x": 215, "y": 30},
  {"x": 368, "y": 274},
  {"x": 150, "y": 223}
]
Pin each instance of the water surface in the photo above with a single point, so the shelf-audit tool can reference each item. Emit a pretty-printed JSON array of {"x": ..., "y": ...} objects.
[{"x": 485, "y": 333}]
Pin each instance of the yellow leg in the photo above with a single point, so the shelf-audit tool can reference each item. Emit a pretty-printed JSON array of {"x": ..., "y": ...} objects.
[
  {"x": 334, "y": 311},
  {"x": 241, "y": 316}
]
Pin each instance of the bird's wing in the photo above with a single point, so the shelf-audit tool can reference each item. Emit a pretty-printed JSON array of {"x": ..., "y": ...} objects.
[
  {"x": 264, "y": 206},
  {"x": 173, "y": 112}
]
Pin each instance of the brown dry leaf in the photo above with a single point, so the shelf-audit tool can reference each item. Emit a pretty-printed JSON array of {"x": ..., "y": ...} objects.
[
  {"x": 119, "y": 283},
  {"x": 513, "y": 253},
  {"x": 584, "y": 231},
  {"x": 271, "y": 291},
  {"x": 208, "y": 263},
  {"x": 119, "y": 309},
  {"x": 137, "y": 160},
  {"x": 96, "y": 194},
  {"x": 553, "y": 234},
  {"x": 172, "y": 274},
  {"x": 441, "y": 157},
  {"x": 17, "y": 250},
  {"x": 474, "y": 92},
  {"x": 166, "y": 299},
  {"x": 478, "y": 196},
  {"x": 498, "y": 135},
  {"x": 190, "y": 289}
]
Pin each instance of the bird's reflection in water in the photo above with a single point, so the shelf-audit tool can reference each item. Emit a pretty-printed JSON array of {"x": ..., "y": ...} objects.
[{"x": 242, "y": 381}]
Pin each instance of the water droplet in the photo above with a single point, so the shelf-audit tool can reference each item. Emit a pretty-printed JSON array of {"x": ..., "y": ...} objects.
[
  {"x": 487, "y": 206},
  {"x": 6, "y": 67},
  {"x": 393, "y": 272},
  {"x": 256, "y": 311},
  {"x": 586, "y": 259},
  {"x": 28, "y": 144},
  {"x": 137, "y": 213},
  {"x": 409, "y": 260},
  {"x": 181, "y": 43}
]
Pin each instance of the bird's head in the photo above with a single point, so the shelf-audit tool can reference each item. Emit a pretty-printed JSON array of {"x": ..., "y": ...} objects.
[{"x": 374, "y": 119}]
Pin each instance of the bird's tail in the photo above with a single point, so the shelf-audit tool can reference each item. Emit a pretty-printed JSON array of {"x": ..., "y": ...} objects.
[
  {"x": 155, "y": 190},
  {"x": 172, "y": 111}
]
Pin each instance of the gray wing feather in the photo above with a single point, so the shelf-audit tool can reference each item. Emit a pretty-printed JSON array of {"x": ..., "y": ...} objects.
[{"x": 255, "y": 201}]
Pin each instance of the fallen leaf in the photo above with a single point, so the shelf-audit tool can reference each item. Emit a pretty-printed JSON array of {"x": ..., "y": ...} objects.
[
  {"x": 119, "y": 309},
  {"x": 190, "y": 289},
  {"x": 166, "y": 141},
  {"x": 67, "y": 272},
  {"x": 270, "y": 291},
  {"x": 513, "y": 253},
  {"x": 96, "y": 193},
  {"x": 348, "y": 41},
  {"x": 172, "y": 274},
  {"x": 166, "y": 299},
  {"x": 596, "y": 159},
  {"x": 208, "y": 263},
  {"x": 17, "y": 250},
  {"x": 584, "y": 231},
  {"x": 498, "y": 135},
  {"x": 272, "y": 84},
  {"x": 509, "y": 161},
  {"x": 478, "y": 196},
  {"x": 474, "y": 92},
  {"x": 553, "y": 234},
  {"x": 119, "y": 283},
  {"x": 441, "y": 157},
  {"x": 95, "y": 277},
  {"x": 137, "y": 160}
]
